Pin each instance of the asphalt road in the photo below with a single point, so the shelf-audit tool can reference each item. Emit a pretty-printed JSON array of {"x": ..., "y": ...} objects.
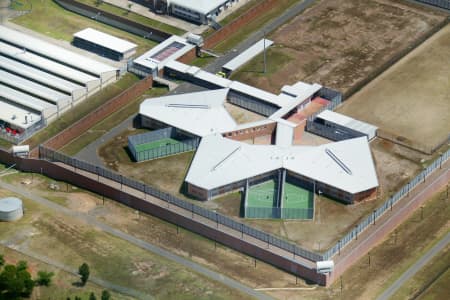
[
  {"x": 388, "y": 293},
  {"x": 138, "y": 242}
]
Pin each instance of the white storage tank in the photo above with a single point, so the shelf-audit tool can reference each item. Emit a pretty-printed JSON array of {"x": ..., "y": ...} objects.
[
  {"x": 11, "y": 209},
  {"x": 326, "y": 266}
]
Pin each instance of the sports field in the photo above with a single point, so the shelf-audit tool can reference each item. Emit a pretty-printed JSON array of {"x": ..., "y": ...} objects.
[
  {"x": 263, "y": 195},
  {"x": 297, "y": 197},
  {"x": 156, "y": 144}
]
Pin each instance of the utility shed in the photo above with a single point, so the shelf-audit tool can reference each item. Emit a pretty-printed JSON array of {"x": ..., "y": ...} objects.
[
  {"x": 246, "y": 56},
  {"x": 333, "y": 118},
  {"x": 104, "y": 44}
]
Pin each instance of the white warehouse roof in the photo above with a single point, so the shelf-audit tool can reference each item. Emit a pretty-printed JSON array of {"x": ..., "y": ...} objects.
[
  {"x": 9, "y": 109},
  {"x": 220, "y": 161},
  {"x": 247, "y": 55},
  {"x": 105, "y": 40},
  {"x": 53, "y": 52},
  {"x": 200, "y": 113},
  {"x": 342, "y": 120},
  {"x": 38, "y": 75},
  {"x": 48, "y": 65},
  {"x": 201, "y": 6}
]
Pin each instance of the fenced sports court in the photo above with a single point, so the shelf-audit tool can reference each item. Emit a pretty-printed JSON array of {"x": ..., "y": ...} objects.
[
  {"x": 160, "y": 143},
  {"x": 277, "y": 198},
  {"x": 297, "y": 202}
]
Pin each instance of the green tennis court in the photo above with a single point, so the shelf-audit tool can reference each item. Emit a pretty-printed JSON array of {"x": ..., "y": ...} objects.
[
  {"x": 297, "y": 197},
  {"x": 263, "y": 195},
  {"x": 156, "y": 144}
]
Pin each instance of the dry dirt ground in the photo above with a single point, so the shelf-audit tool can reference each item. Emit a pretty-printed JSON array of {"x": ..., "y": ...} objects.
[
  {"x": 338, "y": 43},
  {"x": 412, "y": 98},
  {"x": 242, "y": 116}
]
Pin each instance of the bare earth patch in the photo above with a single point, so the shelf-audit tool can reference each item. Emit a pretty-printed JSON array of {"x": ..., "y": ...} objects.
[{"x": 338, "y": 43}]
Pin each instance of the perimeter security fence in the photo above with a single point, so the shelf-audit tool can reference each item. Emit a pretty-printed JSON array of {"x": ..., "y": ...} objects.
[
  {"x": 54, "y": 156},
  {"x": 114, "y": 20},
  {"x": 387, "y": 205},
  {"x": 184, "y": 144}
]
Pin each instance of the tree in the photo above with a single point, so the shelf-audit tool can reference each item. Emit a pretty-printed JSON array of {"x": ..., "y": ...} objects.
[
  {"x": 106, "y": 295},
  {"x": 2, "y": 260},
  {"x": 77, "y": 298},
  {"x": 83, "y": 271},
  {"x": 44, "y": 278},
  {"x": 92, "y": 296},
  {"x": 15, "y": 281}
]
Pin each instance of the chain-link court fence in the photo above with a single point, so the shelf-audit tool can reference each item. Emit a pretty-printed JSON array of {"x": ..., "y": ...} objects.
[{"x": 160, "y": 143}]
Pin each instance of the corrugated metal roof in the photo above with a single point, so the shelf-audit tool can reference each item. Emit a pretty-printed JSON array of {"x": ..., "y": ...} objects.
[
  {"x": 27, "y": 100},
  {"x": 247, "y": 55},
  {"x": 46, "y": 64},
  {"x": 105, "y": 40},
  {"x": 200, "y": 113},
  {"x": 34, "y": 89},
  {"x": 38, "y": 75},
  {"x": 253, "y": 160},
  {"x": 54, "y": 52}
]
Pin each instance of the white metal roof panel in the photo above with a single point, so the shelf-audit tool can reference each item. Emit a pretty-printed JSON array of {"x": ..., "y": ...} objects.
[
  {"x": 26, "y": 100},
  {"x": 7, "y": 110},
  {"x": 178, "y": 66},
  {"x": 201, "y": 6},
  {"x": 33, "y": 88},
  {"x": 53, "y": 52},
  {"x": 200, "y": 113},
  {"x": 349, "y": 122},
  {"x": 256, "y": 93},
  {"x": 46, "y": 64},
  {"x": 215, "y": 164},
  {"x": 148, "y": 60},
  {"x": 247, "y": 55},
  {"x": 284, "y": 134},
  {"x": 38, "y": 75},
  {"x": 210, "y": 77},
  {"x": 105, "y": 40}
]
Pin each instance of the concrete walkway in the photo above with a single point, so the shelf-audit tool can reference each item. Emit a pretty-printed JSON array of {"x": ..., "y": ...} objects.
[
  {"x": 138, "y": 242},
  {"x": 415, "y": 268}
]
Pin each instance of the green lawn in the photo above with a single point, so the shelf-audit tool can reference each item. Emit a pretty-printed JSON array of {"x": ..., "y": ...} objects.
[
  {"x": 263, "y": 195},
  {"x": 63, "y": 24},
  {"x": 297, "y": 197},
  {"x": 134, "y": 17},
  {"x": 156, "y": 144}
]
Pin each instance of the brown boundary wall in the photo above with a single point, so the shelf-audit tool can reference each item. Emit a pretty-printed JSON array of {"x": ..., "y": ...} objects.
[
  {"x": 63, "y": 174},
  {"x": 234, "y": 26},
  {"x": 111, "y": 106}
]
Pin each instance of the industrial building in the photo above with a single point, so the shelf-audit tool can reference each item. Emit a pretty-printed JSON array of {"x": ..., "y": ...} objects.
[
  {"x": 104, "y": 44},
  {"x": 196, "y": 11},
  {"x": 154, "y": 60},
  {"x": 342, "y": 170},
  {"x": 11, "y": 209},
  {"x": 39, "y": 81}
]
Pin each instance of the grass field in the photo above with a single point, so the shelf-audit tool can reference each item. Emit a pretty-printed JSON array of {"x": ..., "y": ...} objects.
[
  {"x": 156, "y": 144},
  {"x": 338, "y": 43},
  {"x": 412, "y": 98},
  {"x": 297, "y": 197},
  {"x": 63, "y": 24},
  {"x": 263, "y": 195}
]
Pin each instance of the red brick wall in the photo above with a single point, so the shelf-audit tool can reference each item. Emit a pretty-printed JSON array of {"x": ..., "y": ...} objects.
[
  {"x": 241, "y": 21},
  {"x": 100, "y": 113},
  {"x": 251, "y": 132},
  {"x": 188, "y": 57}
]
